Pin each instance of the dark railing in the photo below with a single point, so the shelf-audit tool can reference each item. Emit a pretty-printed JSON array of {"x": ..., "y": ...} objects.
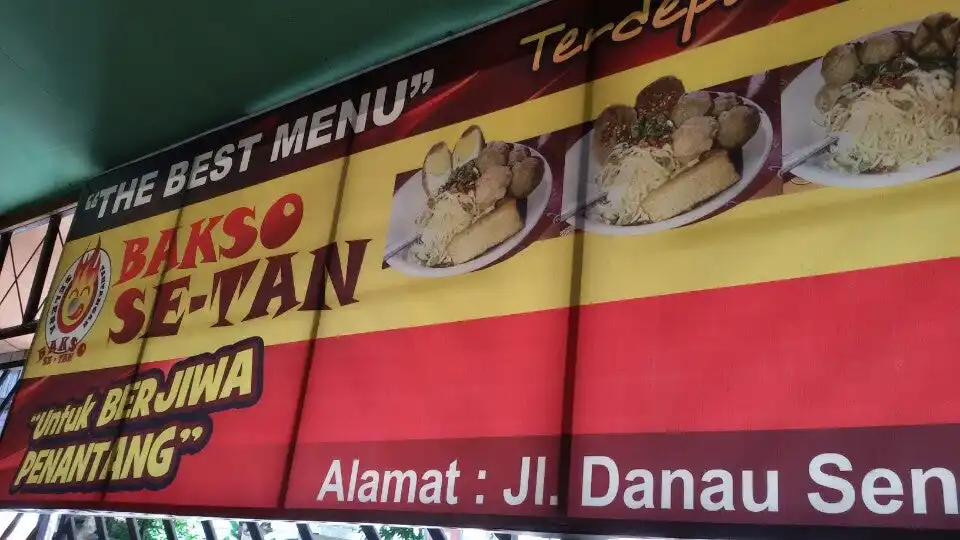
[{"x": 65, "y": 528}]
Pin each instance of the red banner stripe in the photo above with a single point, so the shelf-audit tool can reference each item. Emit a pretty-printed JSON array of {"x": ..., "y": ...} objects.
[{"x": 867, "y": 348}]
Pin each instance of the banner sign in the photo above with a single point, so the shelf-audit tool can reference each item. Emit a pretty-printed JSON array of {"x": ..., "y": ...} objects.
[{"x": 616, "y": 263}]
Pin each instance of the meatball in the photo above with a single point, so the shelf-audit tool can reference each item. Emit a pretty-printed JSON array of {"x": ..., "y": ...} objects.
[
  {"x": 840, "y": 64},
  {"x": 932, "y": 39},
  {"x": 500, "y": 146},
  {"x": 612, "y": 128},
  {"x": 827, "y": 97},
  {"x": 951, "y": 35},
  {"x": 694, "y": 137},
  {"x": 660, "y": 97},
  {"x": 492, "y": 186},
  {"x": 724, "y": 102},
  {"x": 491, "y": 156},
  {"x": 737, "y": 126},
  {"x": 518, "y": 154},
  {"x": 906, "y": 38},
  {"x": 690, "y": 105},
  {"x": 879, "y": 49},
  {"x": 527, "y": 175},
  {"x": 932, "y": 50}
]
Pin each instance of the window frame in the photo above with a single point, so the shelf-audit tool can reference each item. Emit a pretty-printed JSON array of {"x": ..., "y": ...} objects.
[{"x": 32, "y": 307}]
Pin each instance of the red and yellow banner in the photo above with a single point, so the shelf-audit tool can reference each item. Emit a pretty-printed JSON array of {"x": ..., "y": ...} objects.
[{"x": 591, "y": 267}]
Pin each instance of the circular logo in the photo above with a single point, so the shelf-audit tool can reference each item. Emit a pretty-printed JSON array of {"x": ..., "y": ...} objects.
[{"x": 78, "y": 300}]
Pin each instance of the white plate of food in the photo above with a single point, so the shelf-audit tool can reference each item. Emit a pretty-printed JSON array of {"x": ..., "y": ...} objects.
[
  {"x": 889, "y": 102},
  {"x": 671, "y": 159},
  {"x": 465, "y": 209}
]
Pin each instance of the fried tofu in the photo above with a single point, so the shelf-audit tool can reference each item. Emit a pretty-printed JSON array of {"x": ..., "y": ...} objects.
[
  {"x": 713, "y": 174},
  {"x": 491, "y": 230}
]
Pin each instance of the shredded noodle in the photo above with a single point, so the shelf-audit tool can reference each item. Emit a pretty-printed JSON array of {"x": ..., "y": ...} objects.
[
  {"x": 447, "y": 215},
  {"x": 881, "y": 129},
  {"x": 630, "y": 174},
  {"x": 439, "y": 223}
]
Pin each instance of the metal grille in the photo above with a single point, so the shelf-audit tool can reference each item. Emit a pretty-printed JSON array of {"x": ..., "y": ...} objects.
[{"x": 113, "y": 527}]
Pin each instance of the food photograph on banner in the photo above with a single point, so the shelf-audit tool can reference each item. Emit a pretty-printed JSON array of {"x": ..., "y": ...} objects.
[
  {"x": 467, "y": 208},
  {"x": 587, "y": 267},
  {"x": 877, "y": 111},
  {"x": 671, "y": 158}
]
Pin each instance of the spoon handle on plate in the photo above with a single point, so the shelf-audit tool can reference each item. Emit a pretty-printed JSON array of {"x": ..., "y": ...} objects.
[
  {"x": 564, "y": 216},
  {"x": 397, "y": 250},
  {"x": 796, "y": 158}
]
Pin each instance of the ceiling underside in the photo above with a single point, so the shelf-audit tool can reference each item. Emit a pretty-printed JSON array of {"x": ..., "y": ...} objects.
[{"x": 86, "y": 86}]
